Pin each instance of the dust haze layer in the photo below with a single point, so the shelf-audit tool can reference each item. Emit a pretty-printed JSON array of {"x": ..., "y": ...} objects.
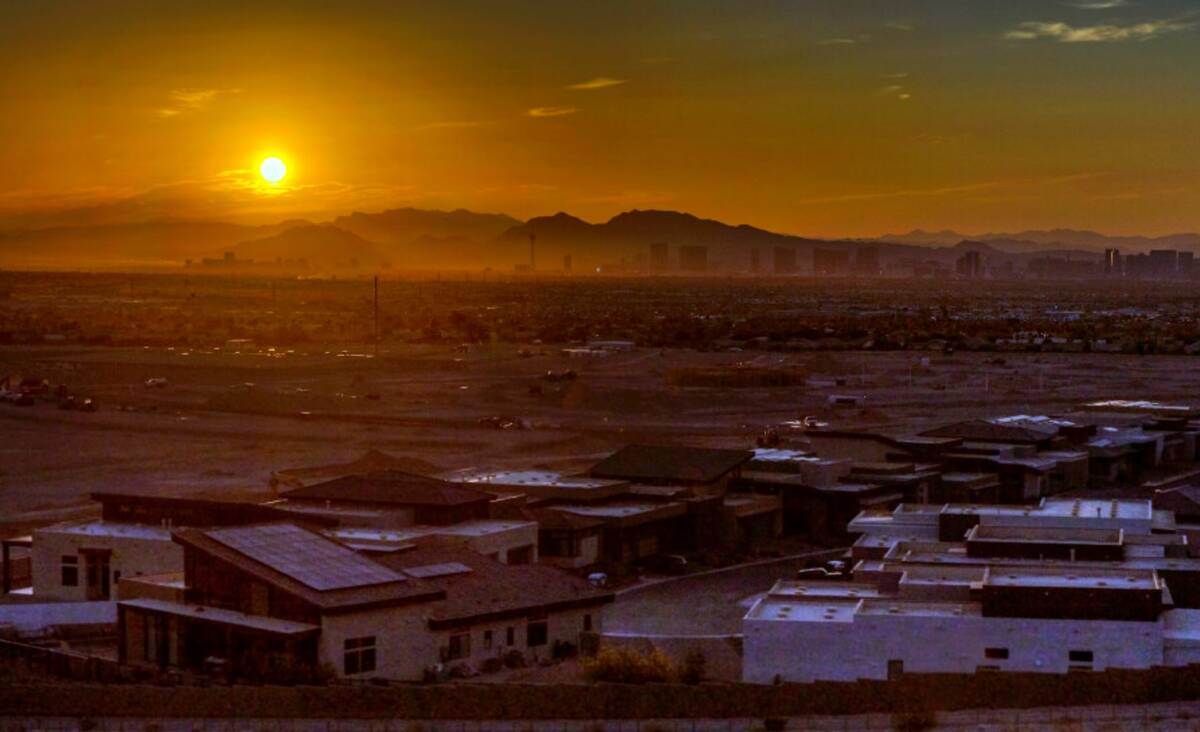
[{"x": 410, "y": 239}]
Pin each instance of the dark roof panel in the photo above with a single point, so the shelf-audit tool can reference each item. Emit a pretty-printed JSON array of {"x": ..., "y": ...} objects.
[
  {"x": 391, "y": 487},
  {"x": 401, "y": 590},
  {"x": 661, "y": 462}
]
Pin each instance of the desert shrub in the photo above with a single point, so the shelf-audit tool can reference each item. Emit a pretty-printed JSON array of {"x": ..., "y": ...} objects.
[
  {"x": 695, "y": 664},
  {"x": 916, "y": 720},
  {"x": 625, "y": 665},
  {"x": 514, "y": 659}
]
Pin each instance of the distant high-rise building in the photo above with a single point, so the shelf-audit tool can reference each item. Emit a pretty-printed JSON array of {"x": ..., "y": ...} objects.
[
  {"x": 1163, "y": 263},
  {"x": 969, "y": 265},
  {"x": 1112, "y": 262},
  {"x": 693, "y": 258},
  {"x": 830, "y": 262},
  {"x": 660, "y": 256},
  {"x": 785, "y": 260},
  {"x": 754, "y": 265},
  {"x": 567, "y": 263},
  {"x": 1186, "y": 264},
  {"x": 866, "y": 262}
]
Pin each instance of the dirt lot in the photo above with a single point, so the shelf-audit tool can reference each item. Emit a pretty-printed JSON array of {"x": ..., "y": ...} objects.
[{"x": 226, "y": 420}]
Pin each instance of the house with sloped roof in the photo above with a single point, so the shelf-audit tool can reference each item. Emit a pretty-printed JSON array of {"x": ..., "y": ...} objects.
[
  {"x": 282, "y": 596},
  {"x": 706, "y": 469},
  {"x": 399, "y": 497}
]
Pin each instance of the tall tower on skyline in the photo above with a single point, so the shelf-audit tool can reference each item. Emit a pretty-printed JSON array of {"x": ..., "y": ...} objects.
[{"x": 532, "y": 256}]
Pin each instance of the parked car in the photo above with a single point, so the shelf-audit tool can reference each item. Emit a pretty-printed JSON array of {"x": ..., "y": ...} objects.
[{"x": 673, "y": 564}]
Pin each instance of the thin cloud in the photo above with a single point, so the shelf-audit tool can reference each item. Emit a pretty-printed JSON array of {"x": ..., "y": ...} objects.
[
  {"x": 1097, "y": 4},
  {"x": 551, "y": 111},
  {"x": 897, "y": 26},
  {"x": 897, "y": 75},
  {"x": 191, "y": 99},
  {"x": 1065, "y": 33},
  {"x": 838, "y": 41},
  {"x": 600, "y": 82},
  {"x": 456, "y": 124},
  {"x": 896, "y": 91}
]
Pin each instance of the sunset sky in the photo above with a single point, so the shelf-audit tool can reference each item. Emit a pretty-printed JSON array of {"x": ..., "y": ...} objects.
[{"x": 815, "y": 117}]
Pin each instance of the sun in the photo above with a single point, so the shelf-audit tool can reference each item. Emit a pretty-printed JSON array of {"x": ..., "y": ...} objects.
[{"x": 272, "y": 170}]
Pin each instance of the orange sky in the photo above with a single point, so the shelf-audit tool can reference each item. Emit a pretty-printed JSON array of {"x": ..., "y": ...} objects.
[{"x": 811, "y": 117}]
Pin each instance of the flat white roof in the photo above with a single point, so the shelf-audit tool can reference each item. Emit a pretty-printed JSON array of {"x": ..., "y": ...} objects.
[
  {"x": 926, "y": 609},
  {"x": 545, "y": 478},
  {"x": 113, "y": 529},
  {"x": 1139, "y": 404},
  {"x": 481, "y": 527},
  {"x": 789, "y": 589},
  {"x": 829, "y": 611},
  {"x": 31, "y": 617},
  {"x": 1093, "y": 507},
  {"x": 774, "y": 454},
  {"x": 1070, "y": 577},
  {"x": 614, "y": 510}
]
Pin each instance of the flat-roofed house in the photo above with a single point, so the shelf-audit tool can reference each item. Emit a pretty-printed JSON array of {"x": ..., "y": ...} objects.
[
  {"x": 507, "y": 541},
  {"x": 569, "y": 540},
  {"x": 962, "y": 620},
  {"x": 85, "y": 560}
]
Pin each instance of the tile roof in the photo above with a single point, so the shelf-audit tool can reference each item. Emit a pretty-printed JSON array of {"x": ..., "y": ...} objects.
[
  {"x": 663, "y": 462},
  {"x": 492, "y": 590},
  {"x": 984, "y": 430},
  {"x": 391, "y": 487}
]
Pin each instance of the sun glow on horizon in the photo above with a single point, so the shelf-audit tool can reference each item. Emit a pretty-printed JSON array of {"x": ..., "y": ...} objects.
[{"x": 272, "y": 170}]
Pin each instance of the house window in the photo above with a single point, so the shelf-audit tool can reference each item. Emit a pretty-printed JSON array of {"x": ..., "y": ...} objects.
[
  {"x": 460, "y": 646},
  {"x": 996, "y": 653},
  {"x": 536, "y": 633},
  {"x": 1079, "y": 656},
  {"x": 587, "y": 622},
  {"x": 70, "y": 571},
  {"x": 487, "y": 639},
  {"x": 359, "y": 655},
  {"x": 510, "y": 636}
]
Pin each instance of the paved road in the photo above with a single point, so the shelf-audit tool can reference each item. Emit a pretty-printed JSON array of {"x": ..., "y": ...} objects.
[
  {"x": 714, "y": 600},
  {"x": 1168, "y": 717}
]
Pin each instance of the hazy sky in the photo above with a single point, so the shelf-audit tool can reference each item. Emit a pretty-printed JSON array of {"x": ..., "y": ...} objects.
[{"x": 817, "y": 117}]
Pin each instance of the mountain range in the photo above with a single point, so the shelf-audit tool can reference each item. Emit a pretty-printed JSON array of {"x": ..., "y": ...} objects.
[{"x": 412, "y": 239}]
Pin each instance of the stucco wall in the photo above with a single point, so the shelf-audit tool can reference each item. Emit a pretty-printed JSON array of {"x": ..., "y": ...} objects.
[
  {"x": 836, "y": 651},
  {"x": 130, "y": 557},
  {"x": 403, "y": 645}
]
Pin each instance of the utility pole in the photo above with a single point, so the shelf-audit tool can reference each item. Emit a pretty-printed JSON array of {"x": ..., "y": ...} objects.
[
  {"x": 376, "y": 315},
  {"x": 532, "y": 256}
]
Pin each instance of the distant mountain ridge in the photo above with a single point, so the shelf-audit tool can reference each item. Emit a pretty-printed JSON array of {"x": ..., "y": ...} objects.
[
  {"x": 1050, "y": 239},
  {"x": 410, "y": 238}
]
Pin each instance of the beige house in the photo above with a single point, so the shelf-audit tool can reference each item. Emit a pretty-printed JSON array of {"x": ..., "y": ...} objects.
[{"x": 281, "y": 594}]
